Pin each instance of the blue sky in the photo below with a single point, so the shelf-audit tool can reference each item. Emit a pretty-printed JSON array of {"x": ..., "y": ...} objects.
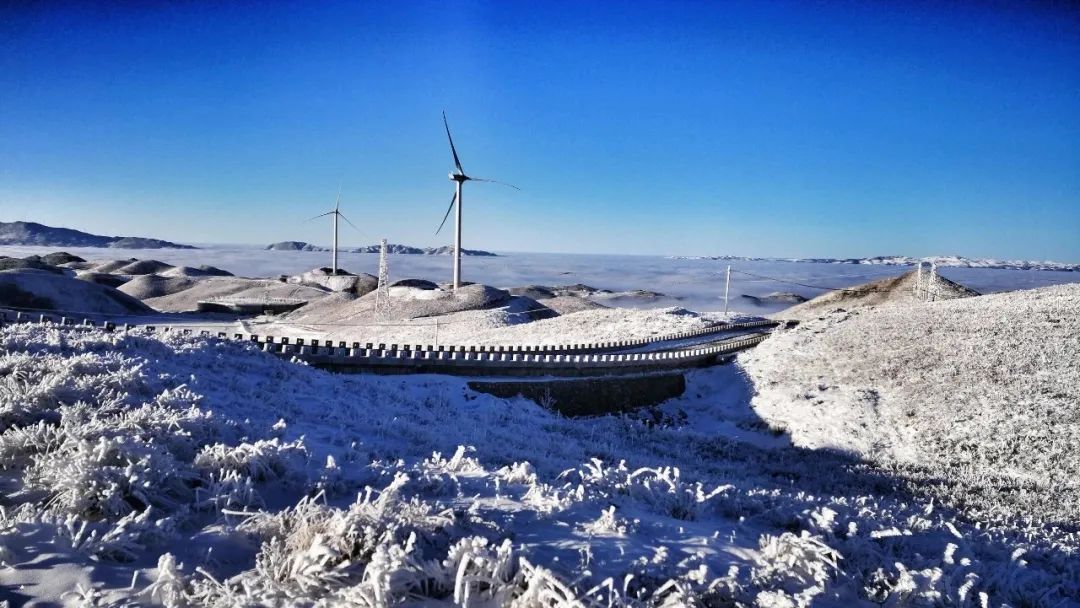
[{"x": 763, "y": 128}]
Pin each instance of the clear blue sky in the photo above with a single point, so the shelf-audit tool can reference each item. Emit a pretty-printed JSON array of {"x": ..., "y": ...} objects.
[{"x": 760, "y": 128}]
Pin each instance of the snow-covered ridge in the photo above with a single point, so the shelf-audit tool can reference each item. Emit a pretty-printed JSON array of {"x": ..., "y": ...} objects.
[
  {"x": 32, "y": 233},
  {"x": 903, "y": 260}
]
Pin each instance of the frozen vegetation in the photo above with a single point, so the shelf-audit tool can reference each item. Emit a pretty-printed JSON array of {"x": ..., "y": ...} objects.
[
  {"x": 189, "y": 471},
  {"x": 982, "y": 392}
]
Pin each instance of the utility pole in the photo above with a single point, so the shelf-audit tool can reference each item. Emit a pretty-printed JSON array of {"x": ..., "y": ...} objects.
[{"x": 727, "y": 284}]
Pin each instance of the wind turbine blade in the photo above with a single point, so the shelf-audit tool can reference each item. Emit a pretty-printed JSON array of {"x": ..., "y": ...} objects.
[
  {"x": 453, "y": 200},
  {"x": 342, "y": 216},
  {"x": 478, "y": 179},
  {"x": 318, "y": 216},
  {"x": 337, "y": 203},
  {"x": 457, "y": 161}
]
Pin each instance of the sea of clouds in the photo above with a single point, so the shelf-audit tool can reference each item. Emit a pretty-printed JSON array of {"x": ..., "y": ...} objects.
[{"x": 693, "y": 284}]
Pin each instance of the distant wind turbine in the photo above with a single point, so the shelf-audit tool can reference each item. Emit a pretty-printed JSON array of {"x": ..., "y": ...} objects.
[
  {"x": 459, "y": 178},
  {"x": 336, "y": 212}
]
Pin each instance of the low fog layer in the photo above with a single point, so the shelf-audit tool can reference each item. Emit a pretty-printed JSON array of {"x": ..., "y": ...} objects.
[{"x": 694, "y": 284}]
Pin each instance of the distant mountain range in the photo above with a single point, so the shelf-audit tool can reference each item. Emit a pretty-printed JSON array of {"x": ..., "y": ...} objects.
[
  {"x": 903, "y": 260},
  {"x": 31, "y": 233},
  {"x": 391, "y": 248}
]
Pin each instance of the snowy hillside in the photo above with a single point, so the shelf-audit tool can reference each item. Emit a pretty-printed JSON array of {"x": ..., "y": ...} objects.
[
  {"x": 188, "y": 471},
  {"x": 908, "y": 289},
  {"x": 983, "y": 392},
  {"x": 32, "y": 233}
]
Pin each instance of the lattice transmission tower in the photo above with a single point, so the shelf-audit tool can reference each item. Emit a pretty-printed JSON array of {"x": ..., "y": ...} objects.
[{"x": 382, "y": 297}]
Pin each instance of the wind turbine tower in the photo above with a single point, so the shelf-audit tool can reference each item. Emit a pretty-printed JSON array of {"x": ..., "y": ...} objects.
[
  {"x": 336, "y": 212},
  {"x": 459, "y": 178}
]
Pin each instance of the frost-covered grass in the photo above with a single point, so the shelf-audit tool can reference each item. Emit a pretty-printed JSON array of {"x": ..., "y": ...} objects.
[
  {"x": 188, "y": 471},
  {"x": 984, "y": 391}
]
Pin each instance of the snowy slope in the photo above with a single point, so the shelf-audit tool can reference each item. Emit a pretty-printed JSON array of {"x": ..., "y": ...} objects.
[
  {"x": 511, "y": 324},
  {"x": 908, "y": 289},
  {"x": 187, "y": 471},
  {"x": 34, "y": 290},
  {"x": 31, "y": 233},
  {"x": 985, "y": 392}
]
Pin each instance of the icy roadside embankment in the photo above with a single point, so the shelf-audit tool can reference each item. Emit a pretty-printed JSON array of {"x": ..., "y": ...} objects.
[
  {"x": 188, "y": 471},
  {"x": 983, "y": 393}
]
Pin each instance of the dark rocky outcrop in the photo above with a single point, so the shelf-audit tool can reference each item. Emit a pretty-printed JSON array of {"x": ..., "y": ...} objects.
[
  {"x": 60, "y": 257},
  {"x": 33, "y": 262},
  {"x": 142, "y": 267},
  {"x": 415, "y": 284},
  {"x": 103, "y": 278},
  {"x": 775, "y": 297},
  {"x": 536, "y": 292},
  {"x": 294, "y": 246}
]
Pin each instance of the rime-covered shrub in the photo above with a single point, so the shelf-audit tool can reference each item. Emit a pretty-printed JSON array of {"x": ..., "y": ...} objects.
[
  {"x": 799, "y": 565},
  {"x": 169, "y": 588},
  {"x": 312, "y": 548},
  {"x": 609, "y": 524},
  {"x": 110, "y": 477},
  {"x": 262, "y": 460},
  {"x": 32, "y": 389},
  {"x": 662, "y": 488},
  {"x": 518, "y": 473},
  {"x": 20, "y": 444},
  {"x": 228, "y": 490}
]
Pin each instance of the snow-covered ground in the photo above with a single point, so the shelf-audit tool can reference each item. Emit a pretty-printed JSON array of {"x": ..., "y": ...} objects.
[
  {"x": 503, "y": 326},
  {"x": 984, "y": 392},
  {"x": 187, "y": 471}
]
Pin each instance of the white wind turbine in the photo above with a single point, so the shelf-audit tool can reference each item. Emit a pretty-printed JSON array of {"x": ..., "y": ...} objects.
[
  {"x": 336, "y": 212},
  {"x": 459, "y": 178}
]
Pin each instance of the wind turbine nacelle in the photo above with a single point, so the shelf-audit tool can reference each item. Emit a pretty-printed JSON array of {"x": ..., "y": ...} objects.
[{"x": 457, "y": 177}]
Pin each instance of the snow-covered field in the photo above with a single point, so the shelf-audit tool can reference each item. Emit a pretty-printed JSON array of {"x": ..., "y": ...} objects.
[
  {"x": 982, "y": 391},
  {"x": 694, "y": 284},
  {"x": 187, "y": 471}
]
